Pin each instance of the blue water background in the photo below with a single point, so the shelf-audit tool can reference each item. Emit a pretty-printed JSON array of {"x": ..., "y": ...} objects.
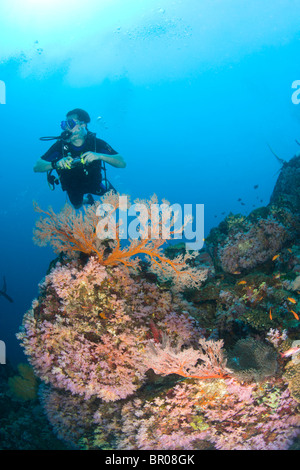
[{"x": 192, "y": 123}]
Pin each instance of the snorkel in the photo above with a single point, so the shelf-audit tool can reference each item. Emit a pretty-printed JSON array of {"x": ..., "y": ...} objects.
[
  {"x": 63, "y": 136},
  {"x": 67, "y": 127}
]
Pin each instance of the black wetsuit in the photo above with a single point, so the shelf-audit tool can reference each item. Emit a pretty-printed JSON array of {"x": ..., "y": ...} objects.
[{"x": 82, "y": 179}]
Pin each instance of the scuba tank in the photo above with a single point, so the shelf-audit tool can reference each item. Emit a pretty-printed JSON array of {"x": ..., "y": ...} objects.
[{"x": 52, "y": 179}]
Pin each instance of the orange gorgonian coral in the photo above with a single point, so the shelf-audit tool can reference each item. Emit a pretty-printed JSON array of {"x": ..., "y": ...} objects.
[
  {"x": 74, "y": 232},
  {"x": 206, "y": 362}
]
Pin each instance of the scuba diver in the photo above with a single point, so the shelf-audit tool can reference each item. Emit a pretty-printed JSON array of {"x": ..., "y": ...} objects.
[{"x": 79, "y": 158}]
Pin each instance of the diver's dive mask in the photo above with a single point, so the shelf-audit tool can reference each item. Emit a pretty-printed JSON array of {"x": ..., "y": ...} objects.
[{"x": 69, "y": 124}]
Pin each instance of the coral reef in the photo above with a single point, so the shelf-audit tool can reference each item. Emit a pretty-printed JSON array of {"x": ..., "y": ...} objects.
[
  {"x": 140, "y": 348},
  {"x": 88, "y": 332},
  {"x": 225, "y": 413},
  {"x": 219, "y": 414},
  {"x": 257, "y": 244},
  {"x": 241, "y": 243}
]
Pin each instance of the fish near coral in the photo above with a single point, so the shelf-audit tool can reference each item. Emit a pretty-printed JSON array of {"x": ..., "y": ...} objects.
[
  {"x": 157, "y": 334},
  {"x": 291, "y": 352},
  {"x": 270, "y": 314},
  {"x": 295, "y": 314}
]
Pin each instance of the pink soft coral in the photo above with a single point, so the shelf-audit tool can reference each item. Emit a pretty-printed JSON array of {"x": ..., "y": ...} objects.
[
  {"x": 255, "y": 245},
  {"x": 89, "y": 330}
]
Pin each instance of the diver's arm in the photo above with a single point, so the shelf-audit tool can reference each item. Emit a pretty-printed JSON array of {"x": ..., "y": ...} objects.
[
  {"x": 114, "y": 160},
  {"x": 42, "y": 166}
]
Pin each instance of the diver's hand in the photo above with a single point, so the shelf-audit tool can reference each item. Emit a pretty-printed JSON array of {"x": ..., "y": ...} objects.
[
  {"x": 90, "y": 157},
  {"x": 64, "y": 163}
]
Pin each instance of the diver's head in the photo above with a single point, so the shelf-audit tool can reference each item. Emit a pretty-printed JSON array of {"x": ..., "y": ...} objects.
[
  {"x": 80, "y": 115},
  {"x": 76, "y": 123}
]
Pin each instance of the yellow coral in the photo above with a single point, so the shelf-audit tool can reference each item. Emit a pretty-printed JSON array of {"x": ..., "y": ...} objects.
[{"x": 24, "y": 386}]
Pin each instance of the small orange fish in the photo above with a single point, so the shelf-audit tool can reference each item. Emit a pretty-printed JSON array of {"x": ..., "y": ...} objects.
[
  {"x": 275, "y": 257},
  {"x": 289, "y": 250},
  {"x": 295, "y": 314},
  {"x": 237, "y": 272},
  {"x": 291, "y": 351},
  {"x": 242, "y": 282},
  {"x": 270, "y": 313},
  {"x": 293, "y": 301}
]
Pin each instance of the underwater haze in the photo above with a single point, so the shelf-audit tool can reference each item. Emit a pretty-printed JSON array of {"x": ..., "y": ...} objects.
[{"x": 196, "y": 95}]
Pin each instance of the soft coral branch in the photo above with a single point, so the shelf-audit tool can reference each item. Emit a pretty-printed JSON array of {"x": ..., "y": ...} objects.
[
  {"x": 205, "y": 363},
  {"x": 70, "y": 231},
  {"x": 67, "y": 231}
]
